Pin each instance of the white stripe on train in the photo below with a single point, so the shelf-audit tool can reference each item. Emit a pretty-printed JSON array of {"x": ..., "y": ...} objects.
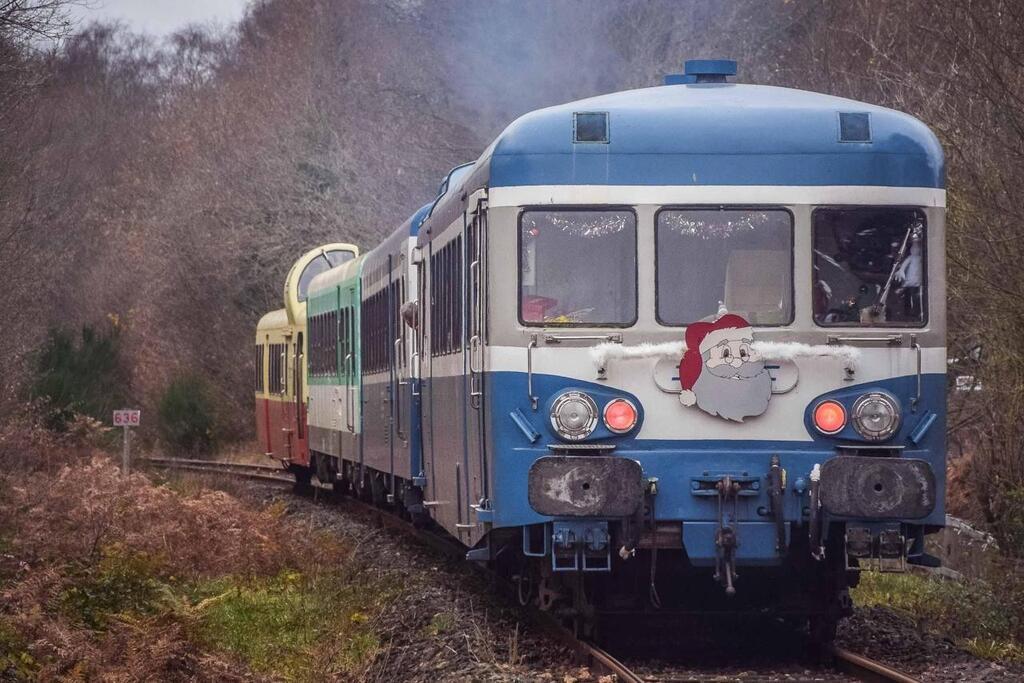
[{"x": 782, "y": 195}]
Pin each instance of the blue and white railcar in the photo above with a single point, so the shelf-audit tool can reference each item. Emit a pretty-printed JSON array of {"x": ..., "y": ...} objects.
[
  {"x": 703, "y": 322},
  {"x": 677, "y": 337}
]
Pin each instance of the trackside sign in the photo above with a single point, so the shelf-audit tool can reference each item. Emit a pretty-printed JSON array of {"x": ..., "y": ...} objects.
[{"x": 127, "y": 418}]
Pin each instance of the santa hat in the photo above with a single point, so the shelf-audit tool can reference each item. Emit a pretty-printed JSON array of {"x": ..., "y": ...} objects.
[{"x": 701, "y": 337}]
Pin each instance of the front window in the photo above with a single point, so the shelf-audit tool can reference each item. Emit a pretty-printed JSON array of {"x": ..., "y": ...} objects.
[
  {"x": 577, "y": 267},
  {"x": 324, "y": 261},
  {"x": 739, "y": 260},
  {"x": 869, "y": 267}
]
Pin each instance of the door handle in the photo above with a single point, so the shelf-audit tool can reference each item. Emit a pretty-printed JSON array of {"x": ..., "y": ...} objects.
[
  {"x": 398, "y": 364},
  {"x": 529, "y": 371}
]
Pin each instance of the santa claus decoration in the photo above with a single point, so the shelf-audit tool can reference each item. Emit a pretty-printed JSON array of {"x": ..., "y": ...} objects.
[{"x": 722, "y": 372}]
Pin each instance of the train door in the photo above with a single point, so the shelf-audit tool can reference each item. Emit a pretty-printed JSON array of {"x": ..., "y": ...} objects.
[
  {"x": 400, "y": 372},
  {"x": 284, "y": 406},
  {"x": 298, "y": 355},
  {"x": 391, "y": 393},
  {"x": 349, "y": 375},
  {"x": 425, "y": 346},
  {"x": 476, "y": 310},
  {"x": 268, "y": 355}
]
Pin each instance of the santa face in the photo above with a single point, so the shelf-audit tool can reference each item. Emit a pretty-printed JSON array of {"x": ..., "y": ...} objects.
[{"x": 733, "y": 383}]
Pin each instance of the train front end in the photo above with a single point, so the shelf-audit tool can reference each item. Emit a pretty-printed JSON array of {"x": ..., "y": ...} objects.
[{"x": 721, "y": 385}]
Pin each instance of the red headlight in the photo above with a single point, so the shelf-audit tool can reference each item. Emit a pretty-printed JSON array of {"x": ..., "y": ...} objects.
[
  {"x": 620, "y": 416},
  {"x": 829, "y": 417}
]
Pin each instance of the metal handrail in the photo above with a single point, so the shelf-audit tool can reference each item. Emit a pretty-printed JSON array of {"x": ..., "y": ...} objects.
[
  {"x": 890, "y": 339},
  {"x": 398, "y": 391},
  {"x": 350, "y": 402},
  {"x": 529, "y": 371},
  {"x": 917, "y": 348},
  {"x": 613, "y": 337}
]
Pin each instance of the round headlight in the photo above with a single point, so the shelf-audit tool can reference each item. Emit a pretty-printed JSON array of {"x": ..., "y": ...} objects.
[
  {"x": 574, "y": 415},
  {"x": 620, "y": 416},
  {"x": 876, "y": 416},
  {"x": 829, "y": 417}
]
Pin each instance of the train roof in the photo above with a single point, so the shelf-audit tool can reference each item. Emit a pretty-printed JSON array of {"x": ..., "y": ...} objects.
[
  {"x": 718, "y": 134},
  {"x": 350, "y": 269},
  {"x": 705, "y": 133},
  {"x": 274, "y": 320},
  {"x": 337, "y": 275}
]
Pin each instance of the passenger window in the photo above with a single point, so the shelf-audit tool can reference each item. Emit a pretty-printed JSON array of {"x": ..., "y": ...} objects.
[
  {"x": 869, "y": 267},
  {"x": 739, "y": 259},
  {"x": 577, "y": 267}
]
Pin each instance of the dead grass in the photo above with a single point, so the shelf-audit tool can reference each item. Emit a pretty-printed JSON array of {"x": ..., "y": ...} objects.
[{"x": 103, "y": 577}]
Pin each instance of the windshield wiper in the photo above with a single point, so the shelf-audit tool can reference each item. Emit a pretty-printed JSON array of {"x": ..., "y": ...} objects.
[{"x": 880, "y": 304}]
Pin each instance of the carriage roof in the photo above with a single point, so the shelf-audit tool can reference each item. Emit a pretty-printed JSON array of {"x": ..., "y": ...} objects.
[
  {"x": 717, "y": 134},
  {"x": 707, "y": 134}
]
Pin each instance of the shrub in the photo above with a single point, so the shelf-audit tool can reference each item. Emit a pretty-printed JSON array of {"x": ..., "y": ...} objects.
[
  {"x": 187, "y": 415},
  {"x": 79, "y": 377},
  {"x": 122, "y": 583},
  {"x": 977, "y": 615}
]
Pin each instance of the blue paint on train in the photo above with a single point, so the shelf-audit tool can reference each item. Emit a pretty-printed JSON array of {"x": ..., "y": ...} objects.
[
  {"x": 717, "y": 134},
  {"x": 676, "y": 462}
]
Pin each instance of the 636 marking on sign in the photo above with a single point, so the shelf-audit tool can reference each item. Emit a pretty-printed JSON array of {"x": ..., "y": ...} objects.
[{"x": 127, "y": 418}]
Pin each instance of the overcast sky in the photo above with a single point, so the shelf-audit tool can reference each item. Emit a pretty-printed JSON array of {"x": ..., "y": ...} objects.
[{"x": 161, "y": 17}]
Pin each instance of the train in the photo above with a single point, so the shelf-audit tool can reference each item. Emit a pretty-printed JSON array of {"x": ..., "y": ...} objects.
[{"x": 678, "y": 349}]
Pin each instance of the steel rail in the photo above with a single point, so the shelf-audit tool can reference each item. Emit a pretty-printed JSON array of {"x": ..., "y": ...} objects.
[
  {"x": 587, "y": 654},
  {"x": 867, "y": 669},
  {"x": 240, "y": 469}
]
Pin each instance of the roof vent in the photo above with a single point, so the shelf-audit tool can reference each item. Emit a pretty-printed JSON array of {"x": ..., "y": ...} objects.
[
  {"x": 703, "y": 71},
  {"x": 590, "y": 126},
  {"x": 854, "y": 127}
]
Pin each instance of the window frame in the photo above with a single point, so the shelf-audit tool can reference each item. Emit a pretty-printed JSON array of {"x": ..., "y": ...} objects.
[
  {"x": 728, "y": 207},
  {"x": 580, "y": 208},
  {"x": 925, "y": 312}
]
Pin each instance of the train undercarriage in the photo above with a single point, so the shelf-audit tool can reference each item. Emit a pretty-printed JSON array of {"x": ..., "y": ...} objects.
[{"x": 656, "y": 580}]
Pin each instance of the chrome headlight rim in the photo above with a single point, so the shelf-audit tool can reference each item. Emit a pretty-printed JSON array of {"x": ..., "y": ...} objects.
[
  {"x": 858, "y": 416},
  {"x": 587, "y": 425}
]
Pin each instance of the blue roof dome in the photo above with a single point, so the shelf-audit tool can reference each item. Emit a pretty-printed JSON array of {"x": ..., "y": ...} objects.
[{"x": 716, "y": 133}]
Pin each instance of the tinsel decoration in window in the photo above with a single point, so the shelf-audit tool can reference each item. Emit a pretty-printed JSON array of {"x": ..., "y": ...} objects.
[
  {"x": 577, "y": 223},
  {"x": 713, "y": 224}
]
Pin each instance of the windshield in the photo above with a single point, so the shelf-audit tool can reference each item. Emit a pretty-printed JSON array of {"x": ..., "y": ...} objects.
[
  {"x": 577, "y": 267},
  {"x": 323, "y": 262},
  {"x": 869, "y": 267},
  {"x": 736, "y": 259}
]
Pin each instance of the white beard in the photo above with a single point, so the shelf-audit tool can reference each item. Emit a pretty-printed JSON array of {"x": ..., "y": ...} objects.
[{"x": 733, "y": 399}]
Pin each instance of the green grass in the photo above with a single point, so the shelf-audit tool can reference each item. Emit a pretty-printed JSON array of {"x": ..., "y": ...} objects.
[
  {"x": 120, "y": 585},
  {"x": 293, "y": 626},
  {"x": 440, "y": 623},
  {"x": 970, "y": 613}
]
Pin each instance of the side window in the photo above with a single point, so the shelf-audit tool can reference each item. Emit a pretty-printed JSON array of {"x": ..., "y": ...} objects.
[
  {"x": 870, "y": 267},
  {"x": 343, "y": 334},
  {"x": 446, "y": 299},
  {"x": 276, "y": 365},
  {"x": 260, "y": 352},
  {"x": 375, "y": 332},
  {"x": 314, "y": 346}
]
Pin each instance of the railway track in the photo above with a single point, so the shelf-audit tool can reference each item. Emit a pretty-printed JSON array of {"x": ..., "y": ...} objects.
[{"x": 596, "y": 659}]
